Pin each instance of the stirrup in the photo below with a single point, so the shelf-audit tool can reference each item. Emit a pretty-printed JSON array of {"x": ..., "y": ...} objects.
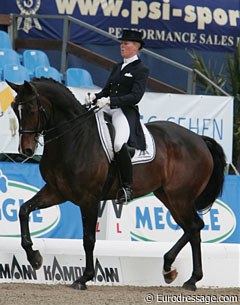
[{"x": 124, "y": 195}]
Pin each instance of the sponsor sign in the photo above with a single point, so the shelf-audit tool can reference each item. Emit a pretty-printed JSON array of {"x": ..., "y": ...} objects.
[
  {"x": 210, "y": 116},
  {"x": 151, "y": 218},
  {"x": 147, "y": 219},
  {"x": 115, "y": 263},
  {"x": 19, "y": 183},
  {"x": 209, "y": 25},
  {"x": 13, "y": 195},
  {"x": 59, "y": 269},
  {"x": 144, "y": 219}
]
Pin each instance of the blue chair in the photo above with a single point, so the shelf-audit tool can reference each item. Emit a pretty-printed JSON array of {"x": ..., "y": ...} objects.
[
  {"x": 34, "y": 58},
  {"x": 77, "y": 77},
  {"x": 48, "y": 72},
  {"x": 15, "y": 73},
  {"x": 7, "y": 57},
  {"x": 5, "y": 41}
]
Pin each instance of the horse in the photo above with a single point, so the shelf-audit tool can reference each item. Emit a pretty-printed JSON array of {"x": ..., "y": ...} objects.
[{"x": 187, "y": 173}]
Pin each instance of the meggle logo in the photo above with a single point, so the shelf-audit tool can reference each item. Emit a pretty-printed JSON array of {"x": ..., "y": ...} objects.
[
  {"x": 153, "y": 222},
  {"x": 220, "y": 223},
  {"x": 12, "y": 195}
]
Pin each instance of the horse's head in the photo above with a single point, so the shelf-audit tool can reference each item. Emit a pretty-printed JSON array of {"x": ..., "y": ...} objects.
[{"x": 30, "y": 114}]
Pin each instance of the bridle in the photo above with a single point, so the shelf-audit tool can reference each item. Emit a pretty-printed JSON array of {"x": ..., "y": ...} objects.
[
  {"x": 41, "y": 128},
  {"x": 42, "y": 117}
]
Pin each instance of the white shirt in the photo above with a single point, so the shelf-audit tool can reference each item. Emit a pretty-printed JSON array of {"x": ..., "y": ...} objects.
[{"x": 127, "y": 61}]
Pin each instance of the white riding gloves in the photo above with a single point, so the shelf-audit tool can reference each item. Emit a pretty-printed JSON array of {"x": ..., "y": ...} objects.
[
  {"x": 103, "y": 102},
  {"x": 89, "y": 99}
]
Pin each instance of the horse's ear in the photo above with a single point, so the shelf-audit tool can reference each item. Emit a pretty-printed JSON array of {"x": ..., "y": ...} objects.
[
  {"x": 30, "y": 86},
  {"x": 14, "y": 86},
  {"x": 27, "y": 85}
]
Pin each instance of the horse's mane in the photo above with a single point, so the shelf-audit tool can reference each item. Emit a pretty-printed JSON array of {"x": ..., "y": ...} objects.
[{"x": 68, "y": 97}]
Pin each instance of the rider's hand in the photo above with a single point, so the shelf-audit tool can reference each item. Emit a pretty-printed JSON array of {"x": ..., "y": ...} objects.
[
  {"x": 89, "y": 99},
  {"x": 103, "y": 102}
]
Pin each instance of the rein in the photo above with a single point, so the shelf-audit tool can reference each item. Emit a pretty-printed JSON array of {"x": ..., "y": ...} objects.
[
  {"x": 42, "y": 120},
  {"x": 85, "y": 116}
]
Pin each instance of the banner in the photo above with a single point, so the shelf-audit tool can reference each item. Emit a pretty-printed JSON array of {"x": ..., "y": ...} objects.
[
  {"x": 20, "y": 182},
  {"x": 118, "y": 263},
  {"x": 147, "y": 219},
  {"x": 143, "y": 219},
  {"x": 210, "y": 25},
  {"x": 205, "y": 115}
]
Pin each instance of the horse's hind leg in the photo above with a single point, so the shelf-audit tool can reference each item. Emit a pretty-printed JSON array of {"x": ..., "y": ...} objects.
[
  {"x": 195, "y": 241},
  {"x": 192, "y": 230},
  {"x": 170, "y": 273},
  {"x": 189, "y": 220},
  {"x": 43, "y": 199}
]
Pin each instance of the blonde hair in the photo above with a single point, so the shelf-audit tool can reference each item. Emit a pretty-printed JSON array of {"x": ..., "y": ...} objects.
[{"x": 138, "y": 44}]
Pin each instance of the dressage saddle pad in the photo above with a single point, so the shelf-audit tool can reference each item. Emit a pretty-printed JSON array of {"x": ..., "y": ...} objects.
[{"x": 139, "y": 156}]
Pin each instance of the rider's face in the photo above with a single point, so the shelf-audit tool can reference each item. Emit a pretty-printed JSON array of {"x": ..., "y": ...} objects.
[{"x": 129, "y": 48}]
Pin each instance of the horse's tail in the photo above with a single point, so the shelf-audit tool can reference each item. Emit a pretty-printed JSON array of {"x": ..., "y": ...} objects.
[{"x": 215, "y": 184}]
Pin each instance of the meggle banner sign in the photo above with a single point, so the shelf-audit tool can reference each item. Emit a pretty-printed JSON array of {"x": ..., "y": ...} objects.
[
  {"x": 147, "y": 219},
  {"x": 207, "y": 24},
  {"x": 19, "y": 183},
  {"x": 143, "y": 219}
]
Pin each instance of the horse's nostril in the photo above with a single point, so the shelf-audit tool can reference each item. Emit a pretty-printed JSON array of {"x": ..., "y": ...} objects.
[{"x": 28, "y": 152}]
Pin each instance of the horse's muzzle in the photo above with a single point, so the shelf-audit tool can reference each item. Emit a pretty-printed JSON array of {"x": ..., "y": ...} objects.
[
  {"x": 27, "y": 145},
  {"x": 28, "y": 152}
]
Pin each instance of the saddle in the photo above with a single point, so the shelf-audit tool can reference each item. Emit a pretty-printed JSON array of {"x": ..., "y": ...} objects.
[{"x": 106, "y": 133}]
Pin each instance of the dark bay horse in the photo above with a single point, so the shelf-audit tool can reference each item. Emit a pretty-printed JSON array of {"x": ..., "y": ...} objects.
[{"x": 187, "y": 173}]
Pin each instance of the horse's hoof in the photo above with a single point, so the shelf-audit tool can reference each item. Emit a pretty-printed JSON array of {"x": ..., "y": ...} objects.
[
  {"x": 170, "y": 276},
  {"x": 78, "y": 286},
  {"x": 36, "y": 260},
  {"x": 189, "y": 286}
]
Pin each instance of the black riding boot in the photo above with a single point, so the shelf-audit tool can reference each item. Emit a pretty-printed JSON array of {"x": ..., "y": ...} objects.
[{"x": 125, "y": 168}]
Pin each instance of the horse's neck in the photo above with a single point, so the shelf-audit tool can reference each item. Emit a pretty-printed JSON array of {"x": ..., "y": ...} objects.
[
  {"x": 63, "y": 111},
  {"x": 71, "y": 129}
]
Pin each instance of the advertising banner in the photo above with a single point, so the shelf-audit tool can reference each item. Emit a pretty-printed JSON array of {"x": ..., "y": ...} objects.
[
  {"x": 143, "y": 219},
  {"x": 205, "y": 25},
  {"x": 20, "y": 182},
  {"x": 115, "y": 263},
  {"x": 147, "y": 219},
  {"x": 205, "y": 115}
]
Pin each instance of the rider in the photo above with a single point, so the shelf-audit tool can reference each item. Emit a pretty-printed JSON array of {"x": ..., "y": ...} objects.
[{"x": 119, "y": 97}]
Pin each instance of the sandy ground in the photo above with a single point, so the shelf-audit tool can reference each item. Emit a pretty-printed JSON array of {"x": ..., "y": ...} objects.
[{"x": 31, "y": 294}]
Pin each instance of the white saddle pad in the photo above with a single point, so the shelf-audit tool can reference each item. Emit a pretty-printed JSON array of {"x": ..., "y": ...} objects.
[{"x": 140, "y": 156}]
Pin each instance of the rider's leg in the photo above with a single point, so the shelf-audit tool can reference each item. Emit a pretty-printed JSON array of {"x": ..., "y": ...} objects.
[
  {"x": 123, "y": 158},
  {"x": 125, "y": 167}
]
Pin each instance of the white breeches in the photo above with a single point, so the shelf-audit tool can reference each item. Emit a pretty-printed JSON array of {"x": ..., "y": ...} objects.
[{"x": 121, "y": 126}]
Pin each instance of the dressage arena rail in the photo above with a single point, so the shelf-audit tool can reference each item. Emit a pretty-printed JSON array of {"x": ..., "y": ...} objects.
[{"x": 116, "y": 263}]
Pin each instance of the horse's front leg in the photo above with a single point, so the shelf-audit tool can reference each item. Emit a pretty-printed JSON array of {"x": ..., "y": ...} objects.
[
  {"x": 89, "y": 219},
  {"x": 43, "y": 199}
]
